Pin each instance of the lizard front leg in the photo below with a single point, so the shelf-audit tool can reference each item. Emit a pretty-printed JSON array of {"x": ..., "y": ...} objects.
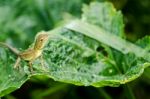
[{"x": 17, "y": 63}]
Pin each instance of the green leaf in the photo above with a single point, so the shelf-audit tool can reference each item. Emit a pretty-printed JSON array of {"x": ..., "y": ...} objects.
[
  {"x": 107, "y": 38},
  {"x": 105, "y": 16},
  {"x": 69, "y": 58},
  {"x": 79, "y": 53}
]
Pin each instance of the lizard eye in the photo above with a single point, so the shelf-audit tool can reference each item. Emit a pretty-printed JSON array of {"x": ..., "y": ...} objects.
[{"x": 41, "y": 39}]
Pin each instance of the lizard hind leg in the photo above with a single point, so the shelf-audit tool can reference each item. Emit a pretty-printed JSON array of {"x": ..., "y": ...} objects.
[
  {"x": 17, "y": 63},
  {"x": 30, "y": 67}
]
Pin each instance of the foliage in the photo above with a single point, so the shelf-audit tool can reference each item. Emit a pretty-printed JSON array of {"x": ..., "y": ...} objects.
[{"x": 90, "y": 51}]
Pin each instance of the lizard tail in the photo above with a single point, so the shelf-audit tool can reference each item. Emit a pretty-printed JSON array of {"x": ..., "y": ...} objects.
[{"x": 14, "y": 50}]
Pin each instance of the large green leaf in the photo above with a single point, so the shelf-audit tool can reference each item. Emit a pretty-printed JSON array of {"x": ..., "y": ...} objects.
[
  {"x": 79, "y": 53},
  {"x": 99, "y": 14},
  {"x": 70, "y": 58}
]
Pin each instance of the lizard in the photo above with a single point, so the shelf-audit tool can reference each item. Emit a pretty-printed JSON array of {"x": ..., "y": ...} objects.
[{"x": 32, "y": 53}]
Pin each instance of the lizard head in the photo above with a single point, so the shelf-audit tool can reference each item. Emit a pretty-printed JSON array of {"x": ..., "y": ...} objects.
[{"x": 41, "y": 40}]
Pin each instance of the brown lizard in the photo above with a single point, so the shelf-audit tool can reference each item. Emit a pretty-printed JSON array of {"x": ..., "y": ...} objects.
[{"x": 32, "y": 53}]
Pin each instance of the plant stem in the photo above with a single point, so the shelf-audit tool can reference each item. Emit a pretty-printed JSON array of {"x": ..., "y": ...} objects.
[
  {"x": 50, "y": 91},
  {"x": 104, "y": 94},
  {"x": 128, "y": 92}
]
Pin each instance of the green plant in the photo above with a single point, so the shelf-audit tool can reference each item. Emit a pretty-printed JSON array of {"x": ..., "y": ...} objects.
[{"x": 90, "y": 51}]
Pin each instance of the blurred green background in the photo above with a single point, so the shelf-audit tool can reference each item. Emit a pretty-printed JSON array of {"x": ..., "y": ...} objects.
[{"x": 21, "y": 20}]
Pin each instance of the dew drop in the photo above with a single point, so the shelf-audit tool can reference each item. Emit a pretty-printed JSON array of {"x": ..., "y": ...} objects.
[
  {"x": 110, "y": 70},
  {"x": 9, "y": 76}
]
